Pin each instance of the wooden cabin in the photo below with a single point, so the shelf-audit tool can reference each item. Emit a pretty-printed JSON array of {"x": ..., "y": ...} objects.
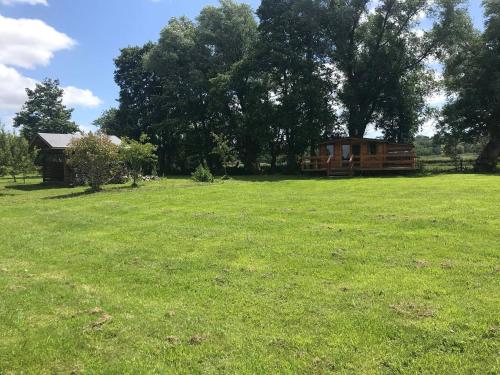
[
  {"x": 52, "y": 157},
  {"x": 351, "y": 155}
]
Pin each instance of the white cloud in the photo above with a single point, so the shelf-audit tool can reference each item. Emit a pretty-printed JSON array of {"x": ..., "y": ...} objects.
[
  {"x": 27, "y": 43},
  {"x": 13, "y": 88},
  {"x": 74, "y": 96},
  {"x": 13, "y": 92},
  {"x": 30, "y": 2}
]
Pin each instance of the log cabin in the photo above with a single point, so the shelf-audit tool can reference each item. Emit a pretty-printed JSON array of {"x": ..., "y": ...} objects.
[
  {"x": 52, "y": 157},
  {"x": 351, "y": 155}
]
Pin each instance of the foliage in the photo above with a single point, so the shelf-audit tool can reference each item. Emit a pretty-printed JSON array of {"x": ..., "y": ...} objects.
[
  {"x": 351, "y": 276},
  {"x": 291, "y": 51},
  {"x": 202, "y": 174},
  {"x": 380, "y": 57},
  {"x": 44, "y": 111},
  {"x": 16, "y": 157},
  {"x": 4, "y": 150},
  {"x": 224, "y": 150},
  {"x": 426, "y": 146},
  {"x": 472, "y": 79},
  {"x": 138, "y": 156},
  {"x": 22, "y": 159},
  {"x": 307, "y": 71},
  {"x": 94, "y": 159},
  {"x": 204, "y": 88},
  {"x": 109, "y": 122},
  {"x": 137, "y": 90}
]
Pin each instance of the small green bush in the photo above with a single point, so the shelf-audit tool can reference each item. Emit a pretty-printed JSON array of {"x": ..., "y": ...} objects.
[{"x": 202, "y": 174}]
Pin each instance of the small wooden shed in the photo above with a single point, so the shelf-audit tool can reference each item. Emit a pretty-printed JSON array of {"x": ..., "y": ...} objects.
[
  {"x": 350, "y": 155},
  {"x": 52, "y": 156}
]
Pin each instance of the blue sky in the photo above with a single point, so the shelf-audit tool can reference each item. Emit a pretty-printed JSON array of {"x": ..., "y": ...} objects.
[{"x": 77, "y": 40}]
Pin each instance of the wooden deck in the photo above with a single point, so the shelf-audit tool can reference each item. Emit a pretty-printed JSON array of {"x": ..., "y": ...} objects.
[{"x": 337, "y": 157}]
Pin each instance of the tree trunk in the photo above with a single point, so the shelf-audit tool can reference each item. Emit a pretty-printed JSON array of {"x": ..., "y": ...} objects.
[
  {"x": 250, "y": 158},
  {"x": 292, "y": 165},
  {"x": 487, "y": 160}
]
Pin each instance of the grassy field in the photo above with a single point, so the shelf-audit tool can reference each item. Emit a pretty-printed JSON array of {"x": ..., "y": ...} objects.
[{"x": 362, "y": 275}]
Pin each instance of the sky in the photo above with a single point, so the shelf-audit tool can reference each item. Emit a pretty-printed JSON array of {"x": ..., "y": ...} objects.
[{"x": 76, "y": 41}]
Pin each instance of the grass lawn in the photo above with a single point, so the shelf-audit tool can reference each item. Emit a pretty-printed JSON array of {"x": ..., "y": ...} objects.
[{"x": 363, "y": 275}]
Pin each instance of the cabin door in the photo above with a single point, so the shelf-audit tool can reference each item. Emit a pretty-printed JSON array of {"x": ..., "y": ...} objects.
[{"x": 346, "y": 155}]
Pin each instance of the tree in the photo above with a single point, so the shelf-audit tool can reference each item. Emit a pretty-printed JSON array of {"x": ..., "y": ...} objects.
[
  {"x": 224, "y": 150},
  {"x": 237, "y": 91},
  {"x": 109, "y": 122},
  {"x": 379, "y": 56},
  {"x": 291, "y": 51},
  {"x": 137, "y": 86},
  {"x": 183, "y": 119},
  {"x": 44, "y": 111},
  {"x": 472, "y": 79},
  {"x": 4, "y": 151},
  {"x": 137, "y": 156},
  {"x": 208, "y": 85},
  {"x": 16, "y": 157},
  {"x": 94, "y": 159}
]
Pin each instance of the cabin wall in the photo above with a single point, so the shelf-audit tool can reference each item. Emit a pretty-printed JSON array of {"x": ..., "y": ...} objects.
[
  {"x": 53, "y": 165},
  {"x": 387, "y": 157}
]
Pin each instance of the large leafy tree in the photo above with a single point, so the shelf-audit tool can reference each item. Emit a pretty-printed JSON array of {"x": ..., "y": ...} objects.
[
  {"x": 137, "y": 90},
  {"x": 204, "y": 87},
  {"x": 237, "y": 91},
  {"x": 379, "y": 54},
  {"x": 182, "y": 119},
  {"x": 44, "y": 111},
  {"x": 291, "y": 52},
  {"x": 472, "y": 78}
]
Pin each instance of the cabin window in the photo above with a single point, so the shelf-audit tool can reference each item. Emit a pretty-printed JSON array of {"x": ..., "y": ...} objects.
[
  {"x": 356, "y": 150},
  {"x": 372, "y": 149},
  {"x": 330, "y": 150},
  {"x": 346, "y": 152}
]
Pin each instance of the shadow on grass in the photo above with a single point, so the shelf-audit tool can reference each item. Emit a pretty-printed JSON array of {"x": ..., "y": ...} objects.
[
  {"x": 72, "y": 195},
  {"x": 77, "y": 194},
  {"x": 35, "y": 187}
]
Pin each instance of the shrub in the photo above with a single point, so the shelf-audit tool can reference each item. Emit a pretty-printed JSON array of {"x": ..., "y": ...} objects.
[
  {"x": 95, "y": 160},
  {"x": 202, "y": 174},
  {"x": 137, "y": 156},
  {"x": 224, "y": 150}
]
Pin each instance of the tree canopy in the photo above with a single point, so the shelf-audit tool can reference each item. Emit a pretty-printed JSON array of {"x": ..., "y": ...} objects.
[
  {"x": 305, "y": 71},
  {"x": 472, "y": 79},
  {"x": 44, "y": 111}
]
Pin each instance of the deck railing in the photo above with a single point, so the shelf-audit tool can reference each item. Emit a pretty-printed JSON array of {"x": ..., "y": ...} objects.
[
  {"x": 314, "y": 163},
  {"x": 391, "y": 160}
]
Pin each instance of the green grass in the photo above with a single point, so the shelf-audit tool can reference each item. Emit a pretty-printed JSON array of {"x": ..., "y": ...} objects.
[{"x": 363, "y": 275}]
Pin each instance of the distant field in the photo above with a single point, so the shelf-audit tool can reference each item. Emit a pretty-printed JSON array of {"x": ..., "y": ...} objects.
[
  {"x": 253, "y": 275},
  {"x": 470, "y": 157},
  {"x": 441, "y": 163}
]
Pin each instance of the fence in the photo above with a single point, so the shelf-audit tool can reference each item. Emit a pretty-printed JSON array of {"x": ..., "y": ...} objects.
[{"x": 446, "y": 165}]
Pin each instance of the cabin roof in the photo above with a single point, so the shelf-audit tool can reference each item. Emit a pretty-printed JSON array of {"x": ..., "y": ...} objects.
[{"x": 62, "y": 141}]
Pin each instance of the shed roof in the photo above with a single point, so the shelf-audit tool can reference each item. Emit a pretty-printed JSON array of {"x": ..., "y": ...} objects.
[{"x": 62, "y": 141}]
